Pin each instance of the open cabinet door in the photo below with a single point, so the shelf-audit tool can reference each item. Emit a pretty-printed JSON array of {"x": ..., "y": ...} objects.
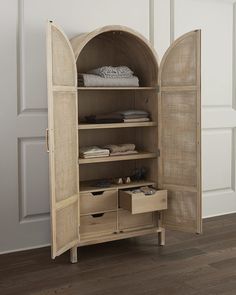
[
  {"x": 180, "y": 133},
  {"x": 63, "y": 140}
]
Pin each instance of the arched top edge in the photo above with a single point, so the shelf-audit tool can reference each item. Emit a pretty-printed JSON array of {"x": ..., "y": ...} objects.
[
  {"x": 196, "y": 32},
  {"x": 81, "y": 40},
  {"x": 51, "y": 24}
]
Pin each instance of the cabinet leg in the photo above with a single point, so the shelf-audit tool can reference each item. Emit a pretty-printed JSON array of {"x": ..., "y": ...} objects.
[
  {"x": 161, "y": 237},
  {"x": 73, "y": 255}
]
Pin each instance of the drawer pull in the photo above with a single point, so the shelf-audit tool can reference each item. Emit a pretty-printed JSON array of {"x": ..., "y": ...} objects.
[
  {"x": 97, "y": 215},
  {"x": 97, "y": 193}
]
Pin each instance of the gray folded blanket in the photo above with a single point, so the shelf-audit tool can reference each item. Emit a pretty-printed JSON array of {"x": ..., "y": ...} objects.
[
  {"x": 113, "y": 72},
  {"x": 90, "y": 80}
]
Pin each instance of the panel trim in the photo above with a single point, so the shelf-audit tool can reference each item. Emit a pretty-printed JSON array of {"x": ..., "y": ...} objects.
[
  {"x": 172, "y": 21},
  {"x": 234, "y": 58},
  {"x": 151, "y": 21},
  {"x": 232, "y": 131},
  {"x": 23, "y": 216},
  {"x": 21, "y": 102}
]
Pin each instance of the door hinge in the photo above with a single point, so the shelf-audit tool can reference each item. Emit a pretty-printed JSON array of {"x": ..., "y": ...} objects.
[{"x": 158, "y": 153}]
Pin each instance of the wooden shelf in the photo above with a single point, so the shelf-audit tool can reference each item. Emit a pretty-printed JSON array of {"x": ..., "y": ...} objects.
[
  {"x": 117, "y": 88},
  {"x": 85, "y": 126},
  {"x": 87, "y": 186},
  {"x": 140, "y": 155}
]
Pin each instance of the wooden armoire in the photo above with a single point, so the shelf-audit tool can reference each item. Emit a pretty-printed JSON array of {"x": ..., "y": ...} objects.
[{"x": 169, "y": 146}]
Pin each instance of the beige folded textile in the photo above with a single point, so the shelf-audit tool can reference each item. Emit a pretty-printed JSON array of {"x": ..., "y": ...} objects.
[
  {"x": 120, "y": 148},
  {"x": 93, "y": 151},
  {"x": 124, "y": 153},
  {"x": 136, "y": 120}
]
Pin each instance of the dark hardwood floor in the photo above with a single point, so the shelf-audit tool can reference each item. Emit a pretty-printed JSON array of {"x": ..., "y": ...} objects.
[{"x": 188, "y": 264}]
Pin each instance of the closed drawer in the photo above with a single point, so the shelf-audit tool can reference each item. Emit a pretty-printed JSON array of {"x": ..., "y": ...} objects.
[
  {"x": 98, "y": 201},
  {"x": 127, "y": 221},
  {"x": 97, "y": 224},
  {"x": 141, "y": 203}
]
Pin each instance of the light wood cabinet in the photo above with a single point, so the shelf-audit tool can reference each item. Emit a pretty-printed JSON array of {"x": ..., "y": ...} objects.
[{"x": 169, "y": 145}]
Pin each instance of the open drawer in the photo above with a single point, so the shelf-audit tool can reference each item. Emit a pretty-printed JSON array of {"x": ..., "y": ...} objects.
[{"x": 141, "y": 203}]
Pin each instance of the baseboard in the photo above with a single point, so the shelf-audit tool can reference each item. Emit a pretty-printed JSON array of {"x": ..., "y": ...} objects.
[
  {"x": 220, "y": 214},
  {"x": 24, "y": 249}
]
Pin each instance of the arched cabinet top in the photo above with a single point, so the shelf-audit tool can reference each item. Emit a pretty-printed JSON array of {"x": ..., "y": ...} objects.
[
  {"x": 63, "y": 70},
  {"x": 117, "y": 45}
]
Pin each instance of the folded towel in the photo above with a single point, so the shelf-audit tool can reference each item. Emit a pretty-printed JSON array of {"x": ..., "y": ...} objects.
[
  {"x": 119, "y": 117},
  {"x": 133, "y": 112},
  {"x": 136, "y": 120},
  {"x": 112, "y": 72},
  {"x": 124, "y": 153},
  {"x": 89, "y": 80},
  {"x": 135, "y": 116},
  {"x": 120, "y": 148},
  {"x": 93, "y": 151}
]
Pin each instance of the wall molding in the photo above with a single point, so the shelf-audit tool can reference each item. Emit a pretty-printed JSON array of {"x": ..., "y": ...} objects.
[
  {"x": 234, "y": 58},
  {"x": 151, "y": 21},
  {"x": 21, "y": 96},
  {"x": 172, "y": 21},
  {"x": 24, "y": 217}
]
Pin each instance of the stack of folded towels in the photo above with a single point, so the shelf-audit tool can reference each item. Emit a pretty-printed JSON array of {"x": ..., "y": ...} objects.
[
  {"x": 109, "y": 76},
  {"x": 108, "y": 150},
  {"x": 93, "y": 152},
  {"x": 127, "y": 116},
  {"x": 135, "y": 116}
]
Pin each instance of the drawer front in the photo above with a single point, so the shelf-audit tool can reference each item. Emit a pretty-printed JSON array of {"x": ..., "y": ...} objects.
[
  {"x": 129, "y": 221},
  {"x": 97, "y": 224},
  {"x": 98, "y": 201},
  {"x": 140, "y": 203}
]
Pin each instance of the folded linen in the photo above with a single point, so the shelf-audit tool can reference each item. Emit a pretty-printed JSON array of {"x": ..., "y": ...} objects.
[
  {"x": 135, "y": 116},
  {"x": 93, "y": 151},
  {"x": 119, "y": 117},
  {"x": 134, "y": 113},
  {"x": 120, "y": 148},
  {"x": 112, "y": 72},
  {"x": 136, "y": 120},
  {"x": 124, "y": 153},
  {"x": 90, "y": 80}
]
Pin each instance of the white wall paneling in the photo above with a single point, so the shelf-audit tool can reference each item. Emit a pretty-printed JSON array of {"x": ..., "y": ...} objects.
[{"x": 24, "y": 210}]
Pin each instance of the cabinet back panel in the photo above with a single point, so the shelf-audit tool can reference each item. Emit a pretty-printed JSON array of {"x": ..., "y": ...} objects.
[
  {"x": 117, "y": 48},
  {"x": 106, "y": 170},
  {"x": 144, "y": 138},
  {"x": 102, "y": 102}
]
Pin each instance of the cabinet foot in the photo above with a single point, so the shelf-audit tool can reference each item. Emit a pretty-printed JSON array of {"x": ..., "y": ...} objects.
[
  {"x": 161, "y": 237},
  {"x": 73, "y": 255}
]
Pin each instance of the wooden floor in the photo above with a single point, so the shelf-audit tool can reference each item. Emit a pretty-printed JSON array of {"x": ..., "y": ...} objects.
[{"x": 188, "y": 264}]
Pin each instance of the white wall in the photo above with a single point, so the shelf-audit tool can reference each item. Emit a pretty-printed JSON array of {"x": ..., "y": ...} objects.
[{"x": 24, "y": 200}]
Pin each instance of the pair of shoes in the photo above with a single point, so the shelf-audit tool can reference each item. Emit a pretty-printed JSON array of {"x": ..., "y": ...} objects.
[{"x": 122, "y": 180}]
